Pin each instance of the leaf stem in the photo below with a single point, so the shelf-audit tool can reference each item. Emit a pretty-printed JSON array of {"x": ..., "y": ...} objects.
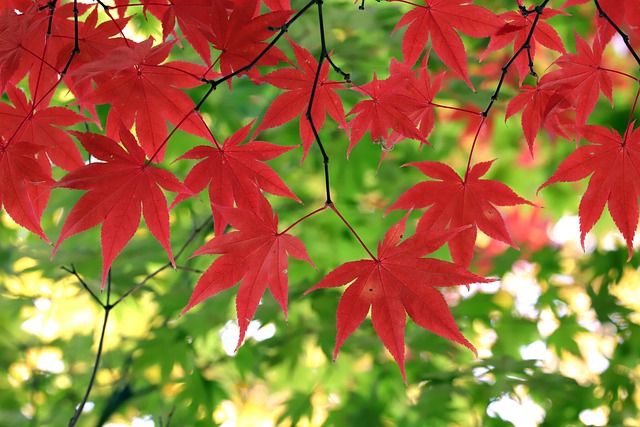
[
  {"x": 633, "y": 109},
  {"x": 166, "y": 139},
  {"x": 74, "y": 272},
  {"x": 462, "y": 110},
  {"x": 609, "y": 70},
  {"x": 76, "y": 43},
  {"x": 333, "y": 208},
  {"x": 303, "y": 218},
  {"x": 282, "y": 30}
]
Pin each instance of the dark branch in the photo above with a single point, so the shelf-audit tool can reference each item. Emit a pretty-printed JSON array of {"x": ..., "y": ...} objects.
[
  {"x": 76, "y": 45},
  {"x": 505, "y": 69},
  {"x": 624, "y": 36},
  {"x": 309, "y": 117},
  {"x": 282, "y": 30},
  {"x": 525, "y": 46}
]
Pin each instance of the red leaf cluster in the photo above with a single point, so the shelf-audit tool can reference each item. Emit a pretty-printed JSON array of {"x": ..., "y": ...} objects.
[
  {"x": 456, "y": 202},
  {"x": 73, "y": 65},
  {"x": 399, "y": 280}
]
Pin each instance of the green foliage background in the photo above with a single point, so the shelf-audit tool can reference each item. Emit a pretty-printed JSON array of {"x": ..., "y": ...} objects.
[{"x": 174, "y": 370}]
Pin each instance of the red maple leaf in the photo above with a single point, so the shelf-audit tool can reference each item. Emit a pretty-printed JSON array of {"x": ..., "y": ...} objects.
[
  {"x": 399, "y": 279},
  {"x": 517, "y": 28},
  {"x": 235, "y": 173},
  {"x": 145, "y": 91},
  {"x": 255, "y": 255},
  {"x": 20, "y": 5},
  {"x": 194, "y": 20},
  {"x": 582, "y": 76},
  {"x": 240, "y": 35},
  {"x": 94, "y": 40},
  {"x": 278, "y": 4},
  {"x": 618, "y": 11},
  {"x": 24, "y": 184},
  {"x": 299, "y": 83},
  {"x": 422, "y": 90},
  {"x": 454, "y": 202},
  {"x": 439, "y": 19},
  {"x": 39, "y": 126},
  {"x": 389, "y": 108},
  {"x": 18, "y": 45},
  {"x": 26, "y": 49},
  {"x": 121, "y": 186},
  {"x": 613, "y": 161},
  {"x": 540, "y": 107}
]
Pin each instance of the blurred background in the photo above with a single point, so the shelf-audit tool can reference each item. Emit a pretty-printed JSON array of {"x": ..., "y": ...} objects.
[{"x": 557, "y": 335}]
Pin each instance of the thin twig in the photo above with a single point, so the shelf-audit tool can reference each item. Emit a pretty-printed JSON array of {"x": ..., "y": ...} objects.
[
  {"x": 505, "y": 68},
  {"x": 74, "y": 272},
  {"x": 303, "y": 218},
  {"x": 151, "y": 275},
  {"x": 333, "y": 208},
  {"x": 107, "y": 309}
]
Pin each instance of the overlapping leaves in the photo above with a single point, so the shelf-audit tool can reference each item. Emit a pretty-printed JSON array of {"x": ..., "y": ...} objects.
[
  {"x": 143, "y": 89},
  {"x": 398, "y": 281},
  {"x": 454, "y": 202},
  {"x": 121, "y": 186}
]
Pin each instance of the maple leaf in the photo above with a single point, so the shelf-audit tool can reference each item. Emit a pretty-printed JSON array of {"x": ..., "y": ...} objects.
[
  {"x": 19, "y": 5},
  {"x": 422, "y": 90},
  {"x": 240, "y": 35},
  {"x": 439, "y": 19},
  {"x": 143, "y": 91},
  {"x": 399, "y": 279},
  {"x": 618, "y": 11},
  {"x": 22, "y": 51},
  {"x": 39, "y": 127},
  {"x": 278, "y": 4},
  {"x": 24, "y": 184},
  {"x": 388, "y": 109},
  {"x": 17, "y": 34},
  {"x": 193, "y": 18},
  {"x": 300, "y": 83},
  {"x": 454, "y": 202},
  {"x": 540, "y": 107},
  {"x": 94, "y": 40},
  {"x": 613, "y": 161},
  {"x": 120, "y": 186},
  {"x": 255, "y": 255},
  {"x": 583, "y": 77},
  {"x": 516, "y": 30},
  {"x": 235, "y": 173}
]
